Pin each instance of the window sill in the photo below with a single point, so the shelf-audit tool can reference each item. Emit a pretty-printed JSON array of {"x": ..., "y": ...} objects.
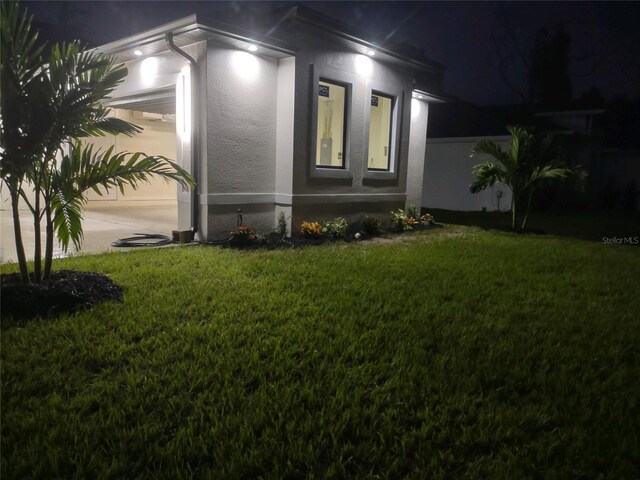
[
  {"x": 380, "y": 175},
  {"x": 337, "y": 173}
]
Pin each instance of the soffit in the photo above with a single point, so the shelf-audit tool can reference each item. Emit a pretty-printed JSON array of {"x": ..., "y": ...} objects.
[{"x": 188, "y": 31}]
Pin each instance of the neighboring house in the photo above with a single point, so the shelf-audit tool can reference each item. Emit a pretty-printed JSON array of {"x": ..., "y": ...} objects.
[
  {"x": 454, "y": 128},
  {"x": 312, "y": 120}
]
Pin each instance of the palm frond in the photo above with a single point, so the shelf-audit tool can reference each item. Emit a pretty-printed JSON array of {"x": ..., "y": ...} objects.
[
  {"x": 492, "y": 149},
  {"x": 486, "y": 174},
  {"x": 87, "y": 169}
]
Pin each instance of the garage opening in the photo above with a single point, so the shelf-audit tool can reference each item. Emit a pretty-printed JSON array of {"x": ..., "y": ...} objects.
[{"x": 152, "y": 207}]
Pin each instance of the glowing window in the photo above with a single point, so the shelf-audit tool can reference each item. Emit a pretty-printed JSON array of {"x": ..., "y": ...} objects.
[
  {"x": 380, "y": 127},
  {"x": 331, "y": 133}
]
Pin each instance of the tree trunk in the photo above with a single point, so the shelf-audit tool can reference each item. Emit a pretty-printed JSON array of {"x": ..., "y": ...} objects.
[
  {"x": 48, "y": 252},
  {"x": 526, "y": 214},
  {"x": 513, "y": 211},
  {"x": 17, "y": 233},
  {"x": 37, "y": 249}
]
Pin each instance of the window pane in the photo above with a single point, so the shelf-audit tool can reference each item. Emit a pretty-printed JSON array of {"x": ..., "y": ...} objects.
[
  {"x": 380, "y": 132},
  {"x": 330, "y": 135}
]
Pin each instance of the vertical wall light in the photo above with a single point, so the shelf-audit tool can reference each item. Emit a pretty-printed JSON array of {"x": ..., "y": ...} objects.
[{"x": 183, "y": 104}]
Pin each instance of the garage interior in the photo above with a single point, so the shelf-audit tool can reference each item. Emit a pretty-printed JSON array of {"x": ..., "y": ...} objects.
[{"x": 151, "y": 208}]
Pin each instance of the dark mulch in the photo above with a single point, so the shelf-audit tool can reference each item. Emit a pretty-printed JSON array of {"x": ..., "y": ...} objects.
[
  {"x": 274, "y": 241},
  {"x": 66, "y": 291}
]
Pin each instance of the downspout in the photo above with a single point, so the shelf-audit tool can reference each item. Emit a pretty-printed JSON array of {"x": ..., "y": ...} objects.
[{"x": 195, "y": 170}]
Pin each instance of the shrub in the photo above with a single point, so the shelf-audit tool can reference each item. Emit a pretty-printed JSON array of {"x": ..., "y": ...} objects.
[
  {"x": 400, "y": 221},
  {"x": 412, "y": 211},
  {"x": 311, "y": 229},
  {"x": 281, "y": 228},
  {"x": 336, "y": 228},
  {"x": 243, "y": 236},
  {"x": 371, "y": 225}
]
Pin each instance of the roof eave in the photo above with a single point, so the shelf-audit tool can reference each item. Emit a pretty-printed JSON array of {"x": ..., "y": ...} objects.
[{"x": 301, "y": 15}]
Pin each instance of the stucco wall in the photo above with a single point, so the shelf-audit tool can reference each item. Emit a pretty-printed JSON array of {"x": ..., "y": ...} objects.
[
  {"x": 241, "y": 106},
  {"x": 284, "y": 139},
  {"x": 417, "y": 145},
  {"x": 320, "y": 57},
  {"x": 447, "y": 176}
]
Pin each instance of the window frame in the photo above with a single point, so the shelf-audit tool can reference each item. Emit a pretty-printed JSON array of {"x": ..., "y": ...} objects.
[
  {"x": 394, "y": 100},
  {"x": 345, "y": 117},
  {"x": 347, "y": 81},
  {"x": 396, "y": 93}
]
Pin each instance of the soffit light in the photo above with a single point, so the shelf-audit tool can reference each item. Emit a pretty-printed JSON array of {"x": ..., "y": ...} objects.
[
  {"x": 253, "y": 48},
  {"x": 137, "y": 52},
  {"x": 370, "y": 52}
]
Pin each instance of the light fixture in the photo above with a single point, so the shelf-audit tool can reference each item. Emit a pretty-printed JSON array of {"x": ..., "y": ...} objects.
[
  {"x": 137, "y": 52},
  {"x": 252, "y": 48},
  {"x": 371, "y": 53},
  {"x": 420, "y": 96}
]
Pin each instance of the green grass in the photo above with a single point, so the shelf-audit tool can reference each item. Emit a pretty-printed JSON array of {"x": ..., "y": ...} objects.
[{"x": 452, "y": 354}]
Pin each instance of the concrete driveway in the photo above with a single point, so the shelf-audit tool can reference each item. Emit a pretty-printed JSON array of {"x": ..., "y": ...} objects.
[{"x": 104, "y": 222}]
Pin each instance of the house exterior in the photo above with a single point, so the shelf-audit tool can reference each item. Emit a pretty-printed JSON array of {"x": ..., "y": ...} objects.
[{"x": 310, "y": 120}]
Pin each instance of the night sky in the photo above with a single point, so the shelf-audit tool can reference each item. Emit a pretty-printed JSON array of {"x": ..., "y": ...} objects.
[{"x": 461, "y": 35}]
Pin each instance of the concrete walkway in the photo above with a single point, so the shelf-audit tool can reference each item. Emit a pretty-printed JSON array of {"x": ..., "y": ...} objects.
[{"x": 104, "y": 222}]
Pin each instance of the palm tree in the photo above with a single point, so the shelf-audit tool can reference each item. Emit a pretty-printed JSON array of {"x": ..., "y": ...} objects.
[
  {"x": 529, "y": 162},
  {"x": 47, "y": 106}
]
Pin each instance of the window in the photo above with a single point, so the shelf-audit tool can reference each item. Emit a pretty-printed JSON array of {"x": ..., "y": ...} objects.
[
  {"x": 380, "y": 128},
  {"x": 331, "y": 130}
]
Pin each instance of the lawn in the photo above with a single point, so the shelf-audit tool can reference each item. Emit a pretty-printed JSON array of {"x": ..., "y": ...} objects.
[
  {"x": 451, "y": 354},
  {"x": 584, "y": 225}
]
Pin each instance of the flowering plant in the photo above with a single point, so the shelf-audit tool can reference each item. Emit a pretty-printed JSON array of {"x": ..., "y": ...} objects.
[
  {"x": 243, "y": 235},
  {"x": 400, "y": 221},
  {"x": 336, "y": 228},
  {"x": 311, "y": 229},
  {"x": 426, "y": 219}
]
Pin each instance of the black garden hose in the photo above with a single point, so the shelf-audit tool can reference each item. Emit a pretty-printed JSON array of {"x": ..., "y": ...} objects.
[{"x": 143, "y": 240}]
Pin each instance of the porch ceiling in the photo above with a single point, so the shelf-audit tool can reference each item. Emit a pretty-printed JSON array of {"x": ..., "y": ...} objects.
[{"x": 158, "y": 101}]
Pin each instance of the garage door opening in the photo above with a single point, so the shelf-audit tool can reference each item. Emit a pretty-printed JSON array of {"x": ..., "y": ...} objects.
[{"x": 152, "y": 207}]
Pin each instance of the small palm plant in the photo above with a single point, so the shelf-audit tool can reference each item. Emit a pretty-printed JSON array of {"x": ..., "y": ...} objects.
[
  {"x": 529, "y": 162},
  {"x": 47, "y": 105}
]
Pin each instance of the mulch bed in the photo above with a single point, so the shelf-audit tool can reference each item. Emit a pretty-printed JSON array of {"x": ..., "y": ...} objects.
[{"x": 66, "y": 291}]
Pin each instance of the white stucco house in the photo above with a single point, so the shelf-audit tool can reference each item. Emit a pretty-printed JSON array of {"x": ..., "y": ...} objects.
[{"x": 309, "y": 120}]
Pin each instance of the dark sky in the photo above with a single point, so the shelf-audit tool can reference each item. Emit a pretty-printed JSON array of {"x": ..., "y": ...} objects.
[{"x": 460, "y": 35}]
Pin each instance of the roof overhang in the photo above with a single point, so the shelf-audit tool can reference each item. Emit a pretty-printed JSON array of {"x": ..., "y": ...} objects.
[
  {"x": 187, "y": 31},
  {"x": 314, "y": 19},
  {"x": 428, "y": 97}
]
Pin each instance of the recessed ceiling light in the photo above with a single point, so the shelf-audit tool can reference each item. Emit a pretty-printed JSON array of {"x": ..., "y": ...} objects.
[
  {"x": 253, "y": 48},
  {"x": 371, "y": 53},
  {"x": 419, "y": 96},
  {"x": 138, "y": 52}
]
